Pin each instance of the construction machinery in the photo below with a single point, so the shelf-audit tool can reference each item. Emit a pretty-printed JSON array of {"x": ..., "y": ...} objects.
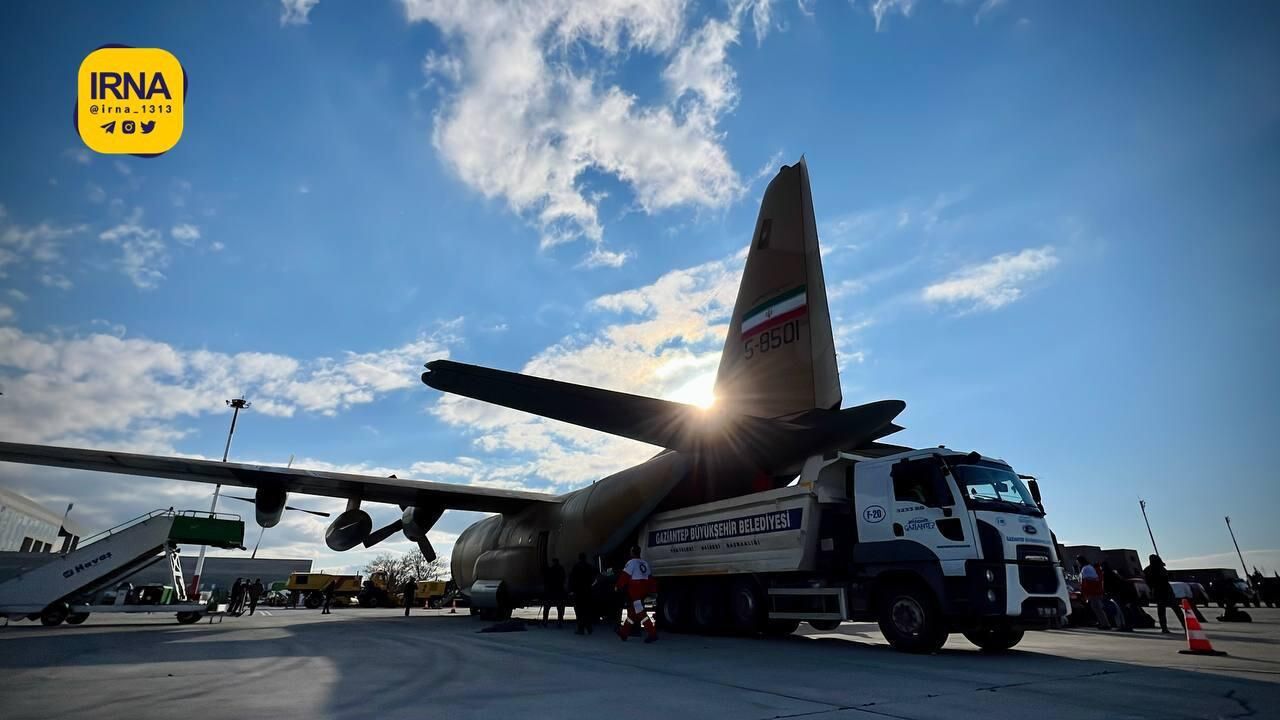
[
  {"x": 347, "y": 589},
  {"x": 93, "y": 578}
]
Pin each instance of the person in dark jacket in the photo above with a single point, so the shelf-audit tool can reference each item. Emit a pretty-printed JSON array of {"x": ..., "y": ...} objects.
[
  {"x": 553, "y": 591},
  {"x": 581, "y": 579},
  {"x": 255, "y": 593},
  {"x": 410, "y": 591},
  {"x": 234, "y": 601},
  {"x": 329, "y": 589},
  {"x": 1120, "y": 595},
  {"x": 1161, "y": 591}
]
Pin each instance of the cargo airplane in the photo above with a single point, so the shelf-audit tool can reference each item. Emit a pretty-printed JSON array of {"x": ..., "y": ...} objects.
[{"x": 777, "y": 407}]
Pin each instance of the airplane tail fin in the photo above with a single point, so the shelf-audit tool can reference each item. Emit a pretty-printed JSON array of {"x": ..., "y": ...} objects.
[{"x": 779, "y": 356}]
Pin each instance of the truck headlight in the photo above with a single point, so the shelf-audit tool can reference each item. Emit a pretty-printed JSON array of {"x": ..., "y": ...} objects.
[
  {"x": 991, "y": 576},
  {"x": 991, "y": 596}
]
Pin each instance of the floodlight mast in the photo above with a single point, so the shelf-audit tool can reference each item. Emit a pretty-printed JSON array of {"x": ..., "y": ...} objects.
[{"x": 236, "y": 405}]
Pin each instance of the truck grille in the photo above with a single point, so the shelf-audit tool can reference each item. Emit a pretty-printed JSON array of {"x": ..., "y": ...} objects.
[{"x": 1038, "y": 579}]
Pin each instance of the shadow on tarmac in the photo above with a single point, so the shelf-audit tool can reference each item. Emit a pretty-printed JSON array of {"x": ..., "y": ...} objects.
[{"x": 389, "y": 666}]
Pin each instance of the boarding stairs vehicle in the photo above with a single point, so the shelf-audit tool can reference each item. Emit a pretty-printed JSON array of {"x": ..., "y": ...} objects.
[{"x": 68, "y": 587}]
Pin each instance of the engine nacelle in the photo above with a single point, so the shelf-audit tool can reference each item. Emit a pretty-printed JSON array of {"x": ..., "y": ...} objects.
[
  {"x": 348, "y": 530},
  {"x": 417, "y": 521},
  {"x": 268, "y": 506}
]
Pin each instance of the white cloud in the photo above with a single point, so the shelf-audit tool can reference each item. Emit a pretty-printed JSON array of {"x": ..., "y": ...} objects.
[
  {"x": 296, "y": 12},
  {"x": 38, "y": 243},
  {"x": 56, "y": 280},
  {"x": 96, "y": 194},
  {"x": 143, "y": 253},
  {"x": 986, "y": 8},
  {"x": 122, "y": 168},
  {"x": 217, "y": 246},
  {"x": 992, "y": 284},
  {"x": 89, "y": 388},
  {"x": 524, "y": 123},
  {"x": 7, "y": 314},
  {"x": 882, "y": 8},
  {"x": 77, "y": 154},
  {"x": 185, "y": 233},
  {"x": 17, "y": 294}
]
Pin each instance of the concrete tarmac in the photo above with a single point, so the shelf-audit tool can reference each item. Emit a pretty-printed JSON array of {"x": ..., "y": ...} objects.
[{"x": 377, "y": 664}]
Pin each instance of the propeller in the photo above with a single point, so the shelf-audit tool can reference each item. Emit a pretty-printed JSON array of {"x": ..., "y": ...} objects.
[
  {"x": 286, "y": 507},
  {"x": 383, "y": 533}
]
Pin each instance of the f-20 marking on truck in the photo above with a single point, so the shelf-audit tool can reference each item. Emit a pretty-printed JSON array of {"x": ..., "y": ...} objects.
[{"x": 85, "y": 565}]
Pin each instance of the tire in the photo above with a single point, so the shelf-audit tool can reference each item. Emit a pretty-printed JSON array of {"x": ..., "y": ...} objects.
[
  {"x": 188, "y": 618},
  {"x": 77, "y": 618},
  {"x": 313, "y": 601},
  {"x": 780, "y": 628},
  {"x": 708, "y": 607},
  {"x": 998, "y": 639},
  {"x": 825, "y": 625},
  {"x": 911, "y": 620},
  {"x": 54, "y": 614},
  {"x": 747, "y": 613},
  {"x": 674, "y": 605}
]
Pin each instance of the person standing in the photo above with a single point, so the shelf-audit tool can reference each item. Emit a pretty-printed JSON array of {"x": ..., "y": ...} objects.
[
  {"x": 233, "y": 602},
  {"x": 1091, "y": 589},
  {"x": 582, "y": 578},
  {"x": 553, "y": 592},
  {"x": 255, "y": 594},
  {"x": 1114, "y": 587},
  {"x": 637, "y": 584},
  {"x": 328, "y": 596},
  {"x": 1161, "y": 591},
  {"x": 410, "y": 591}
]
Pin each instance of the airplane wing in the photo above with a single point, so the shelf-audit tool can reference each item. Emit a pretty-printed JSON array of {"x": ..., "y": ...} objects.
[
  {"x": 664, "y": 423},
  {"x": 393, "y": 491}
]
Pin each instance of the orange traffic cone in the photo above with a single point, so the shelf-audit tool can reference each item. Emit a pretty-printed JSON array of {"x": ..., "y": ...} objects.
[{"x": 1197, "y": 641}]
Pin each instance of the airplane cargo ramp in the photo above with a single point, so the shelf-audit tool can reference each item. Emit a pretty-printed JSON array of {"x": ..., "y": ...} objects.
[{"x": 112, "y": 556}]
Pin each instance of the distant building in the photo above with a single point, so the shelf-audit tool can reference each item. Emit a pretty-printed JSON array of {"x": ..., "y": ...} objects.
[{"x": 28, "y": 526}]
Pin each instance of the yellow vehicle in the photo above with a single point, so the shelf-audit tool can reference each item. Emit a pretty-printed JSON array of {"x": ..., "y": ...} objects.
[
  {"x": 431, "y": 592},
  {"x": 311, "y": 586}
]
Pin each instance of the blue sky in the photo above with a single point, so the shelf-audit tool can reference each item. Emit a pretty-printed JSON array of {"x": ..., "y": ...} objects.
[{"x": 1049, "y": 228}]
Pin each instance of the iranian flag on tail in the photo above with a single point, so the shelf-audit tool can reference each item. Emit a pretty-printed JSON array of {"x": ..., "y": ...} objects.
[{"x": 774, "y": 312}]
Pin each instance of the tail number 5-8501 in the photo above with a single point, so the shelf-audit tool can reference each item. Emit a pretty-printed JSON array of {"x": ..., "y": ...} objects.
[{"x": 772, "y": 339}]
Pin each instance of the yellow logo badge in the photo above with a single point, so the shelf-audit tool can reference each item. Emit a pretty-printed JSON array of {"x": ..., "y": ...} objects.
[{"x": 130, "y": 100}]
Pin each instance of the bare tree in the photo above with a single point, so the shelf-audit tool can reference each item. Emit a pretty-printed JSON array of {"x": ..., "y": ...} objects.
[
  {"x": 400, "y": 567},
  {"x": 389, "y": 563}
]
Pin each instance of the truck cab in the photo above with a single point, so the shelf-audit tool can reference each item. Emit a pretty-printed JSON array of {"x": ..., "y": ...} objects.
[{"x": 966, "y": 527}]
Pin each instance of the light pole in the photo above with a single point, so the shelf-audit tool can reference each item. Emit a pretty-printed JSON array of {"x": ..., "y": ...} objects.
[
  {"x": 1233, "y": 542},
  {"x": 236, "y": 405},
  {"x": 1143, "y": 504}
]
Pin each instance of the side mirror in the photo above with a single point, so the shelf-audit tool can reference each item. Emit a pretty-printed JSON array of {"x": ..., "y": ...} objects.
[{"x": 1034, "y": 487}]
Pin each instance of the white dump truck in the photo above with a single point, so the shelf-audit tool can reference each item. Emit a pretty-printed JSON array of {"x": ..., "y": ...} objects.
[{"x": 924, "y": 542}]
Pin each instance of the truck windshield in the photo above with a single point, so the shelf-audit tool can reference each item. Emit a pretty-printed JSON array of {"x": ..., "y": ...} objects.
[{"x": 982, "y": 483}]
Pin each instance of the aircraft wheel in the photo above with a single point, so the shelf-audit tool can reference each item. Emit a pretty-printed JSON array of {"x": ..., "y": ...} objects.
[
  {"x": 824, "y": 625},
  {"x": 673, "y": 607},
  {"x": 54, "y": 614},
  {"x": 188, "y": 618},
  {"x": 77, "y": 618},
  {"x": 708, "y": 606},
  {"x": 746, "y": 606}
]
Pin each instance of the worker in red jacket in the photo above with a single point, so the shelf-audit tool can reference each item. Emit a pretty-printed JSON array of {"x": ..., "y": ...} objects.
[{"x": 636, "y": 583}]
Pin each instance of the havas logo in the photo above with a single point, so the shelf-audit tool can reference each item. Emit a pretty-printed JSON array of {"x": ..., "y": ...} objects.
[
  {"x": 86, "y": 565},
  {"x": 141, "y": 91}
]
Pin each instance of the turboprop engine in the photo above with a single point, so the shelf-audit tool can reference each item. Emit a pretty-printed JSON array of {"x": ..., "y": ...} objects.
[
  {"x": 268, "y": 506},
  {"x": 349, "y": 529}
]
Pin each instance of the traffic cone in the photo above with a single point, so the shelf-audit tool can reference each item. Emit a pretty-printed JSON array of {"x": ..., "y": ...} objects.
[
  {"x": 453, "y": 610},
  {"x": 1197, "y": 641}
]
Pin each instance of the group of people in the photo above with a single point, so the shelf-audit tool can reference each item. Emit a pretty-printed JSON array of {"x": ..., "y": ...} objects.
[
  {"x": 633, "y": 582},
  {"x": 1114, "y": 600},
  {"x": 245, "y": 593}
]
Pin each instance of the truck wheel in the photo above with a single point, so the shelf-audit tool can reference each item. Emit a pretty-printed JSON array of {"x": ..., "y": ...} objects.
[
  {"x": 673, "y": 607},
  {"x": 54, "y": 614},
  {"x": 313, "y": 601},
  {"x": 911, "y": 621},
  {"x": 746, "y": 607},
  {"x": 824, "y": 625},
  {"x": 708, "y": 613},
  {"x": 780, "y": 628},
  {"x": 188, "y": 618},
  {"x": 997, "y": 639},
  {"x": 77, "y": 618}
]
